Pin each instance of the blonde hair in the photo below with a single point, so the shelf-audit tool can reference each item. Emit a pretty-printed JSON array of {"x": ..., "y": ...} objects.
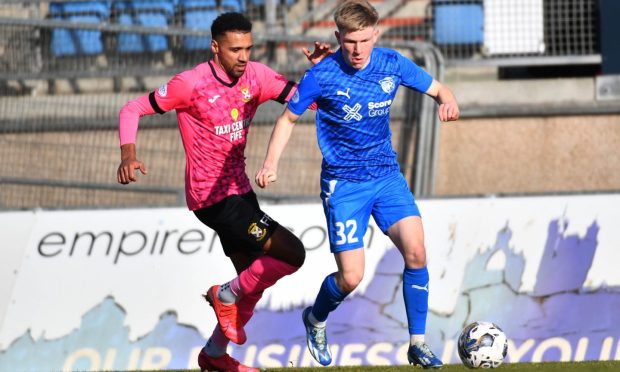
[{"x": 354, "y": 15}]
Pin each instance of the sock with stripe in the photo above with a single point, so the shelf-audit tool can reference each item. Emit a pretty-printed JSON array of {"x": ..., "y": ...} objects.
[
  {"x": 415, "y": 293},
  {"x": 327, "y": 300}
]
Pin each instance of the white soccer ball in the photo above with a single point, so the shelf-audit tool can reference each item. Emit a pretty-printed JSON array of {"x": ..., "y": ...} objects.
[{"x": 482, "y": 345}]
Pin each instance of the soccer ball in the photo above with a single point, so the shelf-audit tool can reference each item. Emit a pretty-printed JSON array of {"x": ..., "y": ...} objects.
[{"x": 482, "y": 345}]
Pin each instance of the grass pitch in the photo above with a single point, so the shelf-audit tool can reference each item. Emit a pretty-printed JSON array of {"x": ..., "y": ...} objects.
[
  {"x": 526, "y": 367},
  {"x": 607, "y": 366}
]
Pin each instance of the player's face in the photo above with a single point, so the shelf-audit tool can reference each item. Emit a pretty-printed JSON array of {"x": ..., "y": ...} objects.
[
  {"x": 357, "y": 45},
  {"x": 232, "y": 52}
]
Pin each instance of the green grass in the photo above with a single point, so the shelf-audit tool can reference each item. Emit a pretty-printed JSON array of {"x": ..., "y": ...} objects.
[{"x": 537, "y": 367}]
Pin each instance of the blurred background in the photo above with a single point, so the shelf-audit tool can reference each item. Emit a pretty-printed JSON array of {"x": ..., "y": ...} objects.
[
  {"x": 538, "y": 82},
  {"x": 91, "y": 280}
]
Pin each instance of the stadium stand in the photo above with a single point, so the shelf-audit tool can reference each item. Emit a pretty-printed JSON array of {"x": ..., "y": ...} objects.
[
  {"x": 457, "y": 22},
  {"x": 150, "y": 13},
  {"x": 66, "y": 42},
  {"x": 197, "y": 15},
  {"x": 54, "y": 94},
  {"x": 232, "y": 5}
]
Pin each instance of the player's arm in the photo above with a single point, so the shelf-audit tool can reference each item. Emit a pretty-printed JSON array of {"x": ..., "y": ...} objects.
[
  {"x": 414, "y": 77},
  {"x": 174, "y": 94},
  {"x": 448, "y": 107},
  {"x": 129, "y": 117},
  {"x": 279, "y": 138},
  {"x": 307, "y": 92}
]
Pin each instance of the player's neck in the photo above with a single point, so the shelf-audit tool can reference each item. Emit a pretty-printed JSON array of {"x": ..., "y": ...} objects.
[{"x": 221, "y": 72}]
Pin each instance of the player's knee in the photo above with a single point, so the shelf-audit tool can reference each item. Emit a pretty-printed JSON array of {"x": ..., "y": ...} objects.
[
  {"x": 285, "y": 246},
  {"x": 350, "y": 281},
  {"x": 415, "y": 257}
]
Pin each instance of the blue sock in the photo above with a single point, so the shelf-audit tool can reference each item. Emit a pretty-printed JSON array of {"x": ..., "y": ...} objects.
[
  {"x": 415, "y": 292},
  {"x": 328, "y": 299}
]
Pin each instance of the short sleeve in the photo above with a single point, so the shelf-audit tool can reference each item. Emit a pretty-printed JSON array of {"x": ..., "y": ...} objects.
[
  {"x": 273, "y": 86},
  {"x": 413, "y": 76},
  {"x": 307, "y": 92},
  {"x": 175, "y": 94}
]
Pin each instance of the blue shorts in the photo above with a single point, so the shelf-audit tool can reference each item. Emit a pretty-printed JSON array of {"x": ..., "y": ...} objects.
[{"x": 349, "y": 205}]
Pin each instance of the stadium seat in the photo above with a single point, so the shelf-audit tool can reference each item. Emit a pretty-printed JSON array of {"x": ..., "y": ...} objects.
[
  {"x": 279, "y": 2},
  {"x": 198, "y": 15},
  {"x": 457, "y": 22},
  {"x": 147, "y": 13},
  {"x": 71, "y": 42},
  {"x": 232, "y": 5}
]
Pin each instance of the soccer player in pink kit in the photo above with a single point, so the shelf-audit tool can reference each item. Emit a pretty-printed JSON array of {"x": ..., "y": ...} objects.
[{"x": 215, "y": 103}]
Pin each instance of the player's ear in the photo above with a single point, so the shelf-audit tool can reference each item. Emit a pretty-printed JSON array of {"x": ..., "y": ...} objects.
[
  {"x": 215, "y": 48},
  {"x": 337, "y": 34}
]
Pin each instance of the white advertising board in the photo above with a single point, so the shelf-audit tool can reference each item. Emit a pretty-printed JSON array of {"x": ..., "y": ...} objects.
[{"x": 121, "y": 289}]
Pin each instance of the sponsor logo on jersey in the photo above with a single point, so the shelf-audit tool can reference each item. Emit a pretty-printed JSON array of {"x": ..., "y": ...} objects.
[
  {"x": 214, "y": 98},
  {"x": 352, "y": 112},
  {"x": 255, "y": 231},
  {"x": 234, "y": 113},
  {"x": 295, "y": 97},
  {"x": 163, "y": 90},
  {"x": 387, "y": 84},
  {"x": 379, "y": 108},
  {"x": 247, "y": 95}
]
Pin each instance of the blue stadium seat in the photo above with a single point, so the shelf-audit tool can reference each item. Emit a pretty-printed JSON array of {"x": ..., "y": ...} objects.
[
  {"x": 193, "y": 4},
  {"x": 71, "y": 42},
  {"x": 279, "y": 2},
  {"x": 148, "y": 13},
  {"x": 198, "y": 15},
  {"x": 232, "y": 5},
  {"x": 458, "y": 22}
]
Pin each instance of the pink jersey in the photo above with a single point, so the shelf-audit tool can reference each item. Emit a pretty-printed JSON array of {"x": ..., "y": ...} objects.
[{"x": 214, "y": 115}]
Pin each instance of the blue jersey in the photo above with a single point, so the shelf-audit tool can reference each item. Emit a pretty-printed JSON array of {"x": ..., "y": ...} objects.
[{"x": 353, "y": 111}]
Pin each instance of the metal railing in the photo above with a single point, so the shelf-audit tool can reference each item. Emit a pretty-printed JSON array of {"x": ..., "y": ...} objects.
[
  {"x": 60, "y": 148},
  {"x": 467, "y": 32}
]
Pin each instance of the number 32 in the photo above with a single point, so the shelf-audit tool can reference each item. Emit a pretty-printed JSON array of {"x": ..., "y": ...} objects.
[{"x": 341, "y": 232}]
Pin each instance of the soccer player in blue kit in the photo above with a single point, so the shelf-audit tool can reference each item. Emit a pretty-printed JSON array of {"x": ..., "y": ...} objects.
[{"x": 354, "y": 89}]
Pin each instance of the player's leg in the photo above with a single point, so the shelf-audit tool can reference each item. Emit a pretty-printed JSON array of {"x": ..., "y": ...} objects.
[
  {"x": 213, "y": 355},
  {"x": 407, "y": 234},
  {"x": 224, "y": 362},
  {"x": 247, "y": 233},
  {"x": 282, "y": 254},
  {"x": 338, "y": 285},
  {"x": 242, "y": 229},
  {"x": 347, "y": 211},
  {"x": 333, "y": 291},
  {"x": 398, "y": 216}
]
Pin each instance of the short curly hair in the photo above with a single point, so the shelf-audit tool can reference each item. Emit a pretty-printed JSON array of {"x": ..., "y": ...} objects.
[{"x": 231, "y": 21}]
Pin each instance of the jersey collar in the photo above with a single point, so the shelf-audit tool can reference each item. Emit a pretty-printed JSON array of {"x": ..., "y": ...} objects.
[{"x": 219, "y": 73}]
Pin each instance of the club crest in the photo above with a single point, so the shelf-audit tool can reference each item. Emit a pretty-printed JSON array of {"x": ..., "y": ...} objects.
[
  {"x": 247, "y": 95},
  {"x": 387, "y": 84}
]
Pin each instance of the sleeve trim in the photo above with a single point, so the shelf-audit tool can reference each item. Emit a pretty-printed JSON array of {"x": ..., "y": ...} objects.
[
  {"x": 285, "y": 92},
  {"x": 154, "y": 104}
]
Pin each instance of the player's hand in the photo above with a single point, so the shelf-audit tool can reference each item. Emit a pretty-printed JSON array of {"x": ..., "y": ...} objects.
[
  {"x": 321, "y": 50},
  {"x": 265, "y": 176},
  {"x": 449, "y": 111},
  {"x": 126, "y": 171}
]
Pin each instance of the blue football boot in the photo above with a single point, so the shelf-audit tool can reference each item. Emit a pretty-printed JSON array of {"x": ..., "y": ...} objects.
[
  {"x": 421, "y": 355},
  {"x": 317, "y": 340}
]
